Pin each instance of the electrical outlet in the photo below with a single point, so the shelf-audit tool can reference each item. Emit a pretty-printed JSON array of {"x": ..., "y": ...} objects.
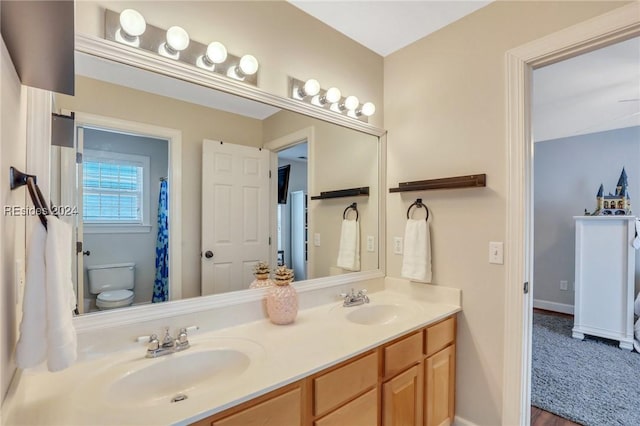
[
  {"x": 564, "y": 285},
  {"x": 496, "y": 253},
  {"x": 316, "y": 240},
  {"x": 397, "y": 245},
  {"x": 371, "y": 243}
]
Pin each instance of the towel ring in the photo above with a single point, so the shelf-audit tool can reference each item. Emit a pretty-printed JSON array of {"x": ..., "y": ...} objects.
[
  {"x": 418, "y": 204},
  {"x": 353, "y": 206}
]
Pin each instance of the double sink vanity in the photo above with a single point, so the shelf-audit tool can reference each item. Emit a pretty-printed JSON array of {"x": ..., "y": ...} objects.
[{"x": 390, "y": 361}]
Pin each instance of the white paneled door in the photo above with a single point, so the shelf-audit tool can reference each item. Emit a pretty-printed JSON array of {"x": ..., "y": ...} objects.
[{"x": 235, "y": 214}]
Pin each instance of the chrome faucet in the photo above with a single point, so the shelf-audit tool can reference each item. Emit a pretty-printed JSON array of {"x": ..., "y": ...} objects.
[
  {"x": 169, "y": 344},
  {"x": 355, "y": 299}
]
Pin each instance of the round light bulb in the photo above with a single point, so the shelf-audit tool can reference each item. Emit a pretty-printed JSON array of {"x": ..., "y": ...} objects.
[
  {"x": 351, "y": 103},
  {"x": 248, "y": 65},
  {"x": 132, "y": 22},
  {"x": 177, "y": 38},
  {"x": 333, "y": 95},
  {"x": 216, "y": 52},
  {"x": 311, "y": 87},
  {"x": 368, "y": 109}
]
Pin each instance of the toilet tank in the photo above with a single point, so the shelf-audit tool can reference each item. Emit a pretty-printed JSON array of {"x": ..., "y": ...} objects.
[{"x": 117, "y": 276}]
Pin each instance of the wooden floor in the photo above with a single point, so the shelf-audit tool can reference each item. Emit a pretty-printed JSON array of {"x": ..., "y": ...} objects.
[
  {"x": 544, "y": 418},
  {"x": 540, "y": 417}
]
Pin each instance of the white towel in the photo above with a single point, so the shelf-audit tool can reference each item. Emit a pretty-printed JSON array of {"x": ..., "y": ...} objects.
[
  {"x": 416, "y": 260},
  {"x": 46, "y": 330},
  {"x": 31, "y": 349},
  {"x": 349, "y": 251}
]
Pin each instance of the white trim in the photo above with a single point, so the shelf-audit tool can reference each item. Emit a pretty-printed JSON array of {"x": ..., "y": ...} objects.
[
  {"x": 617, "y": 25},
  {"x": 461, "y": 421},
  {"x": 553, "y": 306},
  {"x": 111, "y": 228},
  {"x": 175, "y": 183}
]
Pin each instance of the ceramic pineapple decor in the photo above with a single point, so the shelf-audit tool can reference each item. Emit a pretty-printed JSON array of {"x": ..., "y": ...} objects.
[
  {"x": 261, "y": 273},
  {"x": 282, "y": 298}
]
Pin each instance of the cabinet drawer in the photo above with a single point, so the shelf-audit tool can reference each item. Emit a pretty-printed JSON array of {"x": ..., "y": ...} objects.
[
  {"x": 283, "y": 410},
  {"x": 362, "y": 411},
  {"x": 440, "y": 335},
  {"x": 343, "y": 383},
  {"x": 402, "y": 354}
]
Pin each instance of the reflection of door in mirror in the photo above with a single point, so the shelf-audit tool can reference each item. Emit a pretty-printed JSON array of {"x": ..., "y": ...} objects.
[
  {"x": 293, "y": 207},
  {"x": 119, "y": 196},
  {"x": 235, "y": 215}
]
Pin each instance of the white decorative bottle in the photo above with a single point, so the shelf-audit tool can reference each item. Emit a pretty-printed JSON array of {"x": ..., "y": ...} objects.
[
  {"x": 282, "y": 298},
  {"x": 261, "y": 272}
]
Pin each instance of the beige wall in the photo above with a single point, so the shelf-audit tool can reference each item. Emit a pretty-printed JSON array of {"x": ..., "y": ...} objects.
[
  {"x": 195, "y": 122},
  {"x": 445, "y": 114},
  {"x": 285, "y": 40},
  {"x": 342, "y": 158},
  {"x": 12, "y": 228}
]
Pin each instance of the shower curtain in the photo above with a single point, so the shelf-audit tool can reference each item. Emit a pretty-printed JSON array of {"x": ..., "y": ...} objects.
[{"x": 161, "y": 284}]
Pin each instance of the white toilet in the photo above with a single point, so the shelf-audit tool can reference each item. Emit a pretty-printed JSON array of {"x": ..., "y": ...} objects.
[{"x": 113, "y": 284}]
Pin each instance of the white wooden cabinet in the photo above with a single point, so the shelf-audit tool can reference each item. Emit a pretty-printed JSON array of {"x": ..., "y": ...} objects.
[{"x": 604, "y": 278}]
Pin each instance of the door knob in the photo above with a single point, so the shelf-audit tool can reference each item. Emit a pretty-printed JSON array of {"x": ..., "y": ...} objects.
[
  {"x": 87, "y": 253},
  {"x": 208, "y": 254}
]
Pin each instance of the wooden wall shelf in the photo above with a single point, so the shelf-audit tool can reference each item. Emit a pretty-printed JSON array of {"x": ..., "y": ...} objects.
[
  {"x": 341, "y": 193},
  {"x": 469, "y": 181}
]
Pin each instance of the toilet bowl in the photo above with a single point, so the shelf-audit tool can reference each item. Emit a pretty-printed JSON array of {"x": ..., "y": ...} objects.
[{"x": 113, "y": 284}]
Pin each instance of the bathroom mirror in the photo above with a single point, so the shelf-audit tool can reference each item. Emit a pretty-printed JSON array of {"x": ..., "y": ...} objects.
[{"x": 304, "y": 232}]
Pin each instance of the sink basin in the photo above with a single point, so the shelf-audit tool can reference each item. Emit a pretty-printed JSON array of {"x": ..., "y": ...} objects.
[
  {"x": 204, "y": 368},
  {"x": 375, "y": 314}
]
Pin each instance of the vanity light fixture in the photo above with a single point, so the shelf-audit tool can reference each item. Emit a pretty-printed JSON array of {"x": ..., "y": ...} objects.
[
  {"x": 309, "y": 91},
  {"x": 247, "y": 66},
  {"x": 130, "y": 28},
  {"x": 177, "y": 41},
  {"x": 215, "y": 54}
]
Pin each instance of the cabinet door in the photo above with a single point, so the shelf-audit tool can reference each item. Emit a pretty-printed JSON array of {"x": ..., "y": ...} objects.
[
  {"x": 440, "y": 378},
  {"x": 402, "y": 399}
]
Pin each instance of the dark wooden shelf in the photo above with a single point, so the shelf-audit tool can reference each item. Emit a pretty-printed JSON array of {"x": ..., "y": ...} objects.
[
  {"x": 469, "y": 181},
  {"x": 341, "y": 193}
]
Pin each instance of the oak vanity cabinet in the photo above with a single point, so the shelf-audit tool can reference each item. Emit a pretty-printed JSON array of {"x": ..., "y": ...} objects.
[{"x": 409, "y": 381}]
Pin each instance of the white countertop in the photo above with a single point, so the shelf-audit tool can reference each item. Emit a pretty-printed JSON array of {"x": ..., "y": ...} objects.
[{"x": 319, "y": 338}]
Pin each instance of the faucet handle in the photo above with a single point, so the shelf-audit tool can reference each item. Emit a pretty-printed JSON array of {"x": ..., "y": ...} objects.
[{"x": 154, "y": 343}]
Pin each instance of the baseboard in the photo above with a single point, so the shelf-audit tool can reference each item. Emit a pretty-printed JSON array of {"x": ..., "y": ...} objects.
[
  {"x": 553, "y": 306},
  {"x": 459, "y": 421}
]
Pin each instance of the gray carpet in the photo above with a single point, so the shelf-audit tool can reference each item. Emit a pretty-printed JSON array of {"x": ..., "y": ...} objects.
[{"x": 591, "y": 382}]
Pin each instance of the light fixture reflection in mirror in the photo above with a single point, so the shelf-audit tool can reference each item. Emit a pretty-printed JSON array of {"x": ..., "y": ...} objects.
[
  {"x": 368, "y": 109},
  {"x": 132, "y": 26},
  {"x": 311, "y": 88}
]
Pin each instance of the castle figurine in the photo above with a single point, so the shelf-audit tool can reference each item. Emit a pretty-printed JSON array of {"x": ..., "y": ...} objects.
[{"x": 618, "y": 204}]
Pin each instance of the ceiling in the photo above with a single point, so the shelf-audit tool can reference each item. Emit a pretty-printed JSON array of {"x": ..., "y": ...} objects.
[
  {"x": 593, "y": 92},
  {"x": 387, "y": 26}
]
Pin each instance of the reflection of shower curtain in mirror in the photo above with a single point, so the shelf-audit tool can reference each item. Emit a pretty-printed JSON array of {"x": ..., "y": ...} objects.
[{"x": 161, "y": 284}]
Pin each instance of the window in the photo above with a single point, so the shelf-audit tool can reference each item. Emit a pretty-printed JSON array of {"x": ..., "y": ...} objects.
[{"x": 115, "y": 189}]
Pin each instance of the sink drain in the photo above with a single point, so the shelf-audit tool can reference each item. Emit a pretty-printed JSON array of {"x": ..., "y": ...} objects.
[{"x": 179, "y": 397}]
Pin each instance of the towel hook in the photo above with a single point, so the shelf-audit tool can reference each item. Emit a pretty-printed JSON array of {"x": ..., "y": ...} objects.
[
  {"x": 418, "y": 204},
  {"x": 353, "y": 206}
]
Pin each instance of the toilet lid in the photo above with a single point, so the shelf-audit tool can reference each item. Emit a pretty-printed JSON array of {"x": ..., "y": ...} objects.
[{"x": 115, "y": 295}]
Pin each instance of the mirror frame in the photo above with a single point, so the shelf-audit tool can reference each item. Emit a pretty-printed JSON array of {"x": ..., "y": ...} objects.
[{"x": 147, "y": 61}]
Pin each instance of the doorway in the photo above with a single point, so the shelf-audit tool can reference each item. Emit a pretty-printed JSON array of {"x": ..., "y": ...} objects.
[
  {"x": 586, "y": 131},
  {"x": 618, "y": 25}
]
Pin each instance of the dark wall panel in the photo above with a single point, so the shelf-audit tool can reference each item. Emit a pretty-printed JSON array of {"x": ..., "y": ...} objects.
[{"x": 40, "y": 38}]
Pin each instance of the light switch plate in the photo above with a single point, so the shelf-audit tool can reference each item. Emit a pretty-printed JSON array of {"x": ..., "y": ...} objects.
[
  {"x": 397, "y": 245},
  {"x": 496, "y": 252},
  {"x": 371, "y": 243}
]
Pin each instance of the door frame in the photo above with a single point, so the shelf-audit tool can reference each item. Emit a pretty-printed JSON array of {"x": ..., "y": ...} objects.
[
  {"x": 618, "y": 25},
  {"x": 307, "y": 134},
  {"x": 174, "y": 138}
]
